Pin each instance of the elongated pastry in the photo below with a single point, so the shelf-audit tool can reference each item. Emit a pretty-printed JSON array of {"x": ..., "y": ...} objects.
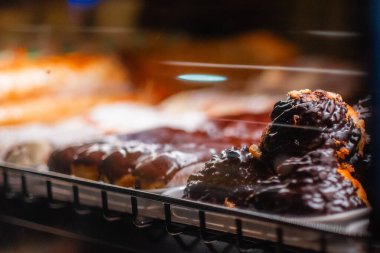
[{"x": 148, "y": 159}]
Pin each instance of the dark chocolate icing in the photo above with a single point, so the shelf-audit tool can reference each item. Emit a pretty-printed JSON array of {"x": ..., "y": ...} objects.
[
  {"x": 148, "y": 165},
  {"x": 306, "y": 121},
  {"x": 306, "y": 185},
  {"x": 229, "y": 176},
  {"x": 302, "y": 166},
  {"x": 150, "y": 159},
  {"x": 311, "y": 184},
  {"x": 147, "y": 159},
  {"x": 123, "y": 161},
  {"x": 61, "y": 160}
]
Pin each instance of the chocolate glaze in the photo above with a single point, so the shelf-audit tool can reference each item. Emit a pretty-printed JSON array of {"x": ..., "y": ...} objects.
[
  {"x": 146, "y": 160},
  {"x": 161, "y": 167},
  {"x": 90, "y": 157},
  {"x": 150, "y": 159},
  {"x": 230, "y": 176},
  {"x": 303, "y": 164},
  {"x": 61, "y": 160},
  {"x": 307, "y": 121},
  {"x": 122, "y": 161},
  {"x": 149, "y": 165},
  {"x": 306, "y": 185}
]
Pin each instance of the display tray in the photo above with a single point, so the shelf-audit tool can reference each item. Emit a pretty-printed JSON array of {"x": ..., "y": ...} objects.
[{"x": 333, "y": 233}]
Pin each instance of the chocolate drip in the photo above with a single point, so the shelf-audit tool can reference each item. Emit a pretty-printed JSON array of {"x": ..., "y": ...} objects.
[
  {"x": 306, "y": 185},
  {"x": 303, "y": 164},
  {"x": 230, "y": 176},
  {"x": 306, "y": 121}
]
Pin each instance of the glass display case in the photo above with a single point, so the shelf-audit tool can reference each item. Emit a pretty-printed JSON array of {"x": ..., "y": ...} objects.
[{"x": 237, "y": 126}]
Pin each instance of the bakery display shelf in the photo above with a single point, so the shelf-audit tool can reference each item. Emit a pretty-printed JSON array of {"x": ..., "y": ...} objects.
[{"x": 210, "y": 222}]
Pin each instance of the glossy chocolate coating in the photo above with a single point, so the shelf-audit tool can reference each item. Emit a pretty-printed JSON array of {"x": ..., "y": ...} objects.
[
  {"x": 149, "y": 165},
  {"x": 88, "y": 160},
  {"x": 300, "y": 186},
  {"x": 162, "y": 152},
  {"x": 61, "y": 160},
  {"x": 230, "y": 176},
  {"x": 306, "y": 185},
  {"x": 146, "y": 160},
  {"x": 306, "y": 121},
  {"x": 302, "y": 166},
  {"x": 123, "y": 161}
]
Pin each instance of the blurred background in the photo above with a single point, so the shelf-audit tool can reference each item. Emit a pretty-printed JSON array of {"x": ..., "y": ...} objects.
[{"x": 156, "y": 40}]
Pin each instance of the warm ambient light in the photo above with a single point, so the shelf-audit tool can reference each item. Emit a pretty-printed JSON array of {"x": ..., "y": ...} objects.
[{"x": 201, "y": 78}]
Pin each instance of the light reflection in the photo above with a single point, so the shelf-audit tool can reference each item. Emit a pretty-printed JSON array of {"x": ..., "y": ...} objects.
[
  {"x": 348, "y": 72},
  {"x": 343, "y": 34},
  {"x": 201, "y": 78}
]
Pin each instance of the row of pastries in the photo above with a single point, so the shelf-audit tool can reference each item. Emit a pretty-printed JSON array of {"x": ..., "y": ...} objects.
[{"x": 127, "y": 120}]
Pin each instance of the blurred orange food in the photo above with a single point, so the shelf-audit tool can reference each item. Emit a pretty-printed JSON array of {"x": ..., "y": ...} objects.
[{"x": 49, "y": 88}]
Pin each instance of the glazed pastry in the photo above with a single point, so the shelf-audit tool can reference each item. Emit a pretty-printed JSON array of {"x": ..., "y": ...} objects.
[
  {"x": 61, "y": 160},
  {"x": 313, "y": 184},
  {"x": 132, "y": 164},
  {"x": 144, "y": 160},
  {"x": 215, "y": 135},
  {"x": 150, "y": 159},
  {"x": 308, "y": 120},
  {"x": 228, "y": 178},
  {"x": 306, "y": 162},
  {"x": 119, "y": 166},
  {"x": 149, "y": 166},
  {"x": 87, "y": 161}
]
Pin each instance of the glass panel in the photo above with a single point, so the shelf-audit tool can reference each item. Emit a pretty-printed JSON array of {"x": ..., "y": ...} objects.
[{"x": 154, "y": 95}]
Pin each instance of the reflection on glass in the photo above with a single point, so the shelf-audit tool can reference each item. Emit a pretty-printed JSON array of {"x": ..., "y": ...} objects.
[{"x": 201, "y": 78}]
